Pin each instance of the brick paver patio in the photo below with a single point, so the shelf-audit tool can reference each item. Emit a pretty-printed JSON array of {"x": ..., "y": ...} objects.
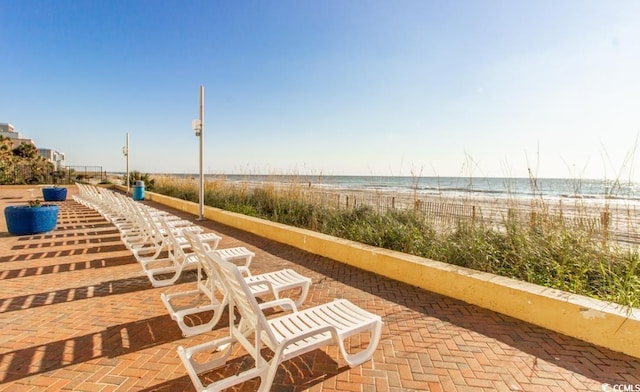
[{"x": 77, "y": 313}]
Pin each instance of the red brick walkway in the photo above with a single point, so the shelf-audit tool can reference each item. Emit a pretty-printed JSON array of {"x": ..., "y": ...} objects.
[{"x": 76, "y": 313}]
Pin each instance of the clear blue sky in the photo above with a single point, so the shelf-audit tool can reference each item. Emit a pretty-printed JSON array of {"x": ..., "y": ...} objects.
[{"x": 433, "y": 88}]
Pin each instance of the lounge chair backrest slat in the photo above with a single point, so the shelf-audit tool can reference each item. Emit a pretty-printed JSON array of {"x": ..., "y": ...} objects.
[
  {"x": 241, "y": 297},
  {"x": 198, "y": 248}
]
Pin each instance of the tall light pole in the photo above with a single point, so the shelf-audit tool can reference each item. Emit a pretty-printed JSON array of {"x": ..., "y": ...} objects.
[
  {"x": 125, "y": 151},
  {"x": 198, "y": 127}
]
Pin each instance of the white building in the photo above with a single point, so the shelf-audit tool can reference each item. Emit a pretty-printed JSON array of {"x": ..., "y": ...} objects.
[
  {"x": 6, "y": 127},
  {"x": 8, "y": 131},
  {"x": 55, "y": 157}
]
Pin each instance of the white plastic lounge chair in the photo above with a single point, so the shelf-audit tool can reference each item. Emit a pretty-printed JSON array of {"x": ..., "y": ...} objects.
[
  {"x": 148, "y": 239},
  {"x": 287, "y": 336},
  {"x": 204, "y": 297},
  {"x": 178, "y": 258}
]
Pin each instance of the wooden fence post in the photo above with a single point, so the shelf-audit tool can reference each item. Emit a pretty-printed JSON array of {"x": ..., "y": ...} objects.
[
  {"x": 532, "y": 218},
  {"x": 605, "y": 220}
]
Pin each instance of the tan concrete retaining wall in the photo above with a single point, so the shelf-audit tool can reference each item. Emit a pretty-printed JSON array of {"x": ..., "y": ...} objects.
[{"x": 591, "y": 320}]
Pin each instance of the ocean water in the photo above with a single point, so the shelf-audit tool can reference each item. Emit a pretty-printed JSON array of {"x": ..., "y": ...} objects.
[{"x": 551, "y": 188}]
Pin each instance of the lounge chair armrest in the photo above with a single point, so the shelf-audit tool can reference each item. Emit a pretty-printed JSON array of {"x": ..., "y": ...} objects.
[
  {"x": 284, "y": 303},
  {"x": 259, "y": 282}
]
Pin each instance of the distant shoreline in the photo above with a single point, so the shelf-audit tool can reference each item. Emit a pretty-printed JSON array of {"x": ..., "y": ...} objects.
[{"x": 582, "y": 190}]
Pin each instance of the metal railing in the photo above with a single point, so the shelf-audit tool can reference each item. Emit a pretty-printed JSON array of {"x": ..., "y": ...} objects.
[{"x": 27, "y": 174}]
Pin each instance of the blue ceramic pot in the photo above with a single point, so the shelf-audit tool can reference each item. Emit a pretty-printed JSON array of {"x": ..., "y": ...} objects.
[
  {"x": 23, "y": 220},
  {"x": 54, "y": 194}
]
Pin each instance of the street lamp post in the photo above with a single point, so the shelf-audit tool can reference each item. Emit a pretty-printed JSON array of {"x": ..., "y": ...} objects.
[
  {"x": 198, "y": 128},
  {"x": 125, "y": 151}
]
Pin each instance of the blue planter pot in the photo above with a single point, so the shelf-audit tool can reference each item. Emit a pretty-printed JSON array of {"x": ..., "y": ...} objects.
[
  {"x": 23, "y": 220},
  {"x": 54, "y": 194}
]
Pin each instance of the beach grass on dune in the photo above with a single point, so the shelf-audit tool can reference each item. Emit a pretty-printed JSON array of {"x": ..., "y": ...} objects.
[{"x": 539, "y": 249}]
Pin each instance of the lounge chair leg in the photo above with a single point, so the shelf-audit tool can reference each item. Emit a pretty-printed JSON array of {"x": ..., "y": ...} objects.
[
  {"x": 179, "y": 314},
  {"x": 162, "y": 282},
  {"x": 271, "y": 369},
  {"x": 363, "y": 356},
  {"x": 194, "y": 368},
  {"x": 304, "y": 291}
]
